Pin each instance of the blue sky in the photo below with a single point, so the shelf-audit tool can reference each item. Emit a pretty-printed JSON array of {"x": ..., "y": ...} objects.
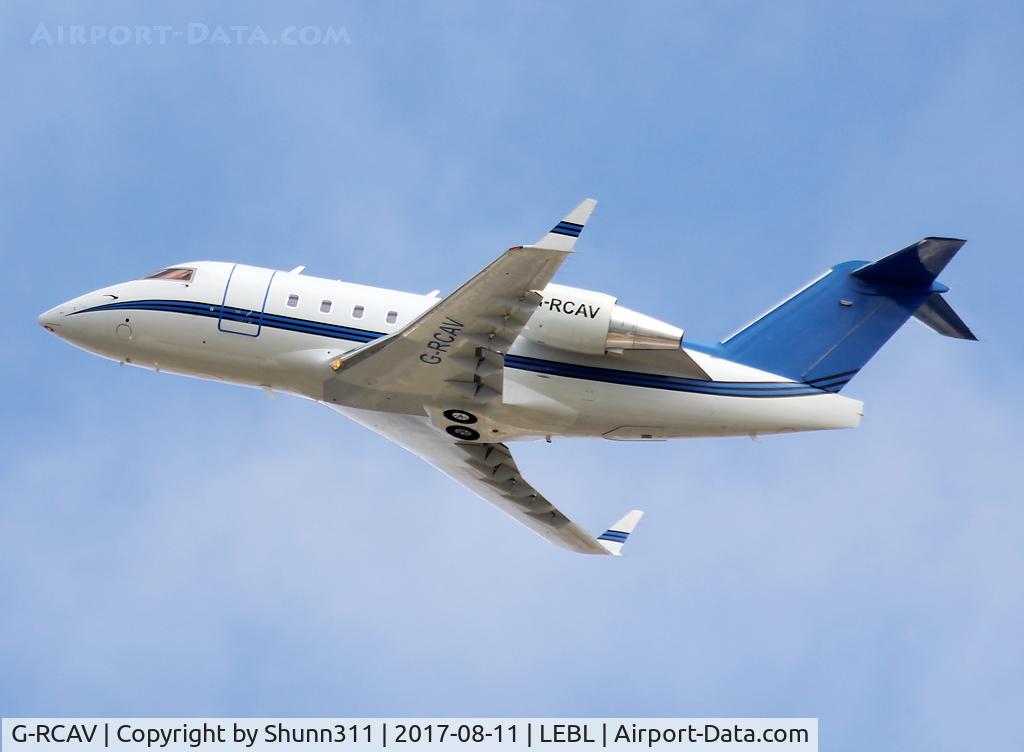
[{"x": 180, "y": 547}]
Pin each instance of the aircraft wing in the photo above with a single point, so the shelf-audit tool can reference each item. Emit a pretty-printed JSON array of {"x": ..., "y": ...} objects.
[
  {"x": 490, "y": 472},
  {"x": 456, "y": 346}
]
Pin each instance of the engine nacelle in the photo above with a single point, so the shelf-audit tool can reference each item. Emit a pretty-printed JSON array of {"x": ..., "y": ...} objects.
[{"x": 590, "y": 322}]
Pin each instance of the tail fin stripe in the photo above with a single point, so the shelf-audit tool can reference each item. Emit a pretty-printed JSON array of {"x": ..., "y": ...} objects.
[
  {"x": 851, "y": 374},
  {"x": 836, "y": 387}
]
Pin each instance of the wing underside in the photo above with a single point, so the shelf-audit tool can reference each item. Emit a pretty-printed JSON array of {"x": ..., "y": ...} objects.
[{"x": 490, "y": 471}]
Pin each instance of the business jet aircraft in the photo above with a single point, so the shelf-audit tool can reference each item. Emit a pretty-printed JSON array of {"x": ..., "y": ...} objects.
[{"x": 511, "y": 355}]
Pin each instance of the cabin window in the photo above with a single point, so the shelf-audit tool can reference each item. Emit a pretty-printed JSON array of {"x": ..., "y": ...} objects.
[
  {"x": 392, "y": 317},
  {"x": 357, "y": 312},
  {"x": 325, "y": 306},
  {"x": 293, "y": 301},
  {"x": 176, "y": 273}
]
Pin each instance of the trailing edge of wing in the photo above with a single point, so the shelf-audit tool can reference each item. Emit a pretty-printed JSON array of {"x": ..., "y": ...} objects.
[{"x": 562, "y": 237}]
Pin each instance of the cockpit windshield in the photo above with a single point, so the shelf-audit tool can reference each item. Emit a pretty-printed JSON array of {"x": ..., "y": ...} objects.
[{"x": 177, "y": 273}]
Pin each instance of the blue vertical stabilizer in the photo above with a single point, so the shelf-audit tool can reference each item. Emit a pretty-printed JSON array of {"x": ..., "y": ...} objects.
[{"x": 826, "y": 332}]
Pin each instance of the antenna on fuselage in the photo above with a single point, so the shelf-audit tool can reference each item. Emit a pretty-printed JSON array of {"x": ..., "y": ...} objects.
[{"x": 298, "y": 269}]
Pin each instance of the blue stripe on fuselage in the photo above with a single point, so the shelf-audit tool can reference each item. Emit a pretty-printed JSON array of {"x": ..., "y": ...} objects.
[
  {"x": 217, "y": 311},
  {"x": 524, "y": 363},
  {"x": 659, "y": 381}
]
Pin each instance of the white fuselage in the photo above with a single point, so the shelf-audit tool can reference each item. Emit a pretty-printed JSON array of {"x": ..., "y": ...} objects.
[{"x": 279, "y": 330}]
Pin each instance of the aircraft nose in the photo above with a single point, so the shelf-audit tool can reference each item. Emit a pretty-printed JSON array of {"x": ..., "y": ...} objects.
[{"x": 51, "y": 320}]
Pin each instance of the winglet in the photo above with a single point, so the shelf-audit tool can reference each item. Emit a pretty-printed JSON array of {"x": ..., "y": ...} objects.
[
  {"x": 615, "y": 537},
  {"x": 562, "y": 236}
]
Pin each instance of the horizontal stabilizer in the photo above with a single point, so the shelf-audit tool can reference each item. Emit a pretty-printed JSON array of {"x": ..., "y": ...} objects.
[
  {"x": 915, "y": 266},
  {"x": 615, "y": 537},
  {"x": 562, "y": 236},
  {"x": 936, "y": 313}
]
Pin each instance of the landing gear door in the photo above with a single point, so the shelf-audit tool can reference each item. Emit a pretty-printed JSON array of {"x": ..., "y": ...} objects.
[{"x": 245, "y": 298}]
